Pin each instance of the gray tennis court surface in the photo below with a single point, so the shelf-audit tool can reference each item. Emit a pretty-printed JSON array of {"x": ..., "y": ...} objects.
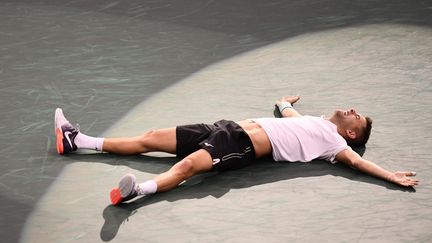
[{"x": 119, "y": 68}]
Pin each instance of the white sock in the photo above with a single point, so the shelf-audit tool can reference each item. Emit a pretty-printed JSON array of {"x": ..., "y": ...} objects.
[
  {"x": 83, "y": 141},
  {"x": 148, "y": 187}
]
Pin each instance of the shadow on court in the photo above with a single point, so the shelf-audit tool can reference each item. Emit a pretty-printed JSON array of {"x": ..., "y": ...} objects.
[
  {"x": 218, "y": 184},
  {"x": 98, "y": 59}
]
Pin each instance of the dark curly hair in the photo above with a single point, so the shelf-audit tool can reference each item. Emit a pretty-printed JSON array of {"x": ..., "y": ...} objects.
[{"x": 365, "y": 134}]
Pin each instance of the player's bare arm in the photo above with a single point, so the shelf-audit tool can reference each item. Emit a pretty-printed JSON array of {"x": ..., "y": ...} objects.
[{"x": 354, "y": 160}]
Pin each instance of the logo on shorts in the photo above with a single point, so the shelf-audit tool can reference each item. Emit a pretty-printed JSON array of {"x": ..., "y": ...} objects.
[
  {"x": 208, "y": 145},
  {"x": 215, "y": 161}
]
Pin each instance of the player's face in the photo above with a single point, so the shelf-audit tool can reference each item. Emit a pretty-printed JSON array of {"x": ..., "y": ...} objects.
[{"x": 350, "y": 119}]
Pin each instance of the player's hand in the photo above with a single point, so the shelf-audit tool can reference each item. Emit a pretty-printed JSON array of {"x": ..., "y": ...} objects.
[
  {"x": 403, "y": 178},
  {"x": 290, "y": 99}
]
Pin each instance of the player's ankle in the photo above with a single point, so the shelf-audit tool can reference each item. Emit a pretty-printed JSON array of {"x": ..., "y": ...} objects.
[{"x": 146, "y": 188}]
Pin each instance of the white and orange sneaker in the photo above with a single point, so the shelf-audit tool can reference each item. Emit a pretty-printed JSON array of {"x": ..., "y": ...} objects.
[
  {"x": 65, "y": 133},
  {"x": 125, "y": 191}
]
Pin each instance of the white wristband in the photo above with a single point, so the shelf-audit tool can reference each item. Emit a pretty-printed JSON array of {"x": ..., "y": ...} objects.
[{"x": 284, "y": 105}]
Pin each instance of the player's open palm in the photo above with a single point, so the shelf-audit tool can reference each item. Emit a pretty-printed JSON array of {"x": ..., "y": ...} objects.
[{"x": 403, "y": 178}]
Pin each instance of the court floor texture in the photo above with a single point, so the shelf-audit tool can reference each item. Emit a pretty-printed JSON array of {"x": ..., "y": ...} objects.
[{"x": 119, "y": 68}]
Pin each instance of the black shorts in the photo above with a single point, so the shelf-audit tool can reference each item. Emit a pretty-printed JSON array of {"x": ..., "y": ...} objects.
[{"x": 228, "y": 144}]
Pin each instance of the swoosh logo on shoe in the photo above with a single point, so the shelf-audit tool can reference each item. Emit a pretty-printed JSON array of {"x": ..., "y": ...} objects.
[{"x": 68, "y": 138}]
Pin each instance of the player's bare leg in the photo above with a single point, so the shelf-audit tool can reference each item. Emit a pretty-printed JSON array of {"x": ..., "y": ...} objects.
[
  {"x": 163, "y": 140},
  {"x": 197, "y": 162}
]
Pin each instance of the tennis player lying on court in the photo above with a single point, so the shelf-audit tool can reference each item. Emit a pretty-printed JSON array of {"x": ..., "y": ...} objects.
[{"x": 228, "y": 145}]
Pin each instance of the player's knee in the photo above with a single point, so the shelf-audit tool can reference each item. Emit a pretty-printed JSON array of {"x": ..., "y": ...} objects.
[
  {"x": 184, "y": 168},
  {"x": 145, "y": 139},
  {"x": 148, "y": 135}
]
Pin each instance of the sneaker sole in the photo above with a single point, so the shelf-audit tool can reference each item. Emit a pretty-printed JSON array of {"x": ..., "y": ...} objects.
[
  {"x": 115, "y": 196},
  {"x": 126, "y": 185},
  {"x": 58, "y": 131},
  {"x": 59, "y": 136}
]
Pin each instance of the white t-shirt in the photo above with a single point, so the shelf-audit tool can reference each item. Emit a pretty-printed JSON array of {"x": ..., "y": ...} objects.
[{"x": 303, "y": 138}]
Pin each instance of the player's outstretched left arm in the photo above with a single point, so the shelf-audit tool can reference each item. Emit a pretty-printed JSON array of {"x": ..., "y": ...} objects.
[
  {"x": 354, "y": 160},
  {"x": 285, "y": 106}
]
